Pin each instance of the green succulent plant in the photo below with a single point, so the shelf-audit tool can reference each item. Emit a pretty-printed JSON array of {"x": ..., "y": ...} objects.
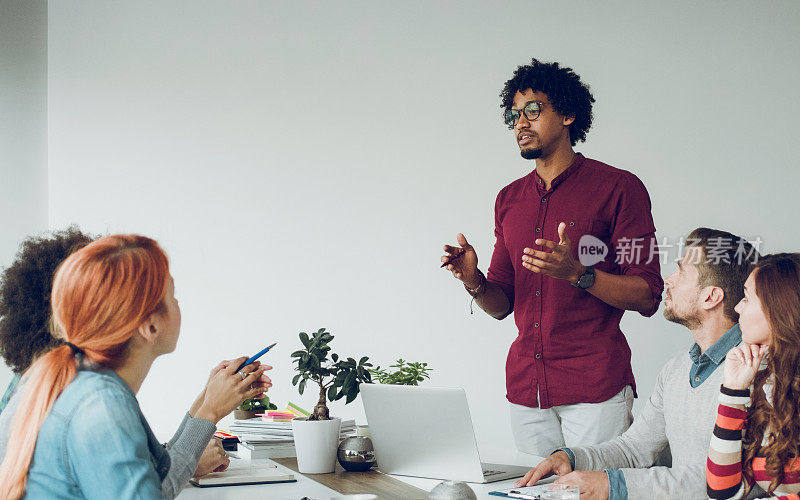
[
  {"x": 403, "y": 373},
  {"x": 257, "y": 404}
]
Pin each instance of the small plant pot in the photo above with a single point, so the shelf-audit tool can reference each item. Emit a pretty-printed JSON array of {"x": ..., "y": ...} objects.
[
  {"x": 245, "y": 414},
  {"x": 316, "y": 442}
]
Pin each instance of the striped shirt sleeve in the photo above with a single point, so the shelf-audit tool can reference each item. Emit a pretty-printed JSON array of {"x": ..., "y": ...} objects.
[{"x": 724, "y": 464}]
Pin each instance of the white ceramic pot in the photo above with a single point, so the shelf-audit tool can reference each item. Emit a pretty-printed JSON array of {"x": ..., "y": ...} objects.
[{"x": 316, "y": 442}]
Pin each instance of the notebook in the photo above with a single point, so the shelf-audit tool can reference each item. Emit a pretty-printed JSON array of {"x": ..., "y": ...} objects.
[{"x": 244, "y": 473}]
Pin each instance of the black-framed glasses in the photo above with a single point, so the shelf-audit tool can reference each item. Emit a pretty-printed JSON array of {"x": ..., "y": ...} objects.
[{"x": 532, "y": 110}]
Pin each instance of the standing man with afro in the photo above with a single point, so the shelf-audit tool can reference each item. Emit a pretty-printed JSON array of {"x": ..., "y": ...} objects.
[{"x": 568, "y": 373}]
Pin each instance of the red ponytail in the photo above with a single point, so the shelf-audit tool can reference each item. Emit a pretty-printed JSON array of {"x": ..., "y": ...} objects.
[{"x": 101, "y": 294}]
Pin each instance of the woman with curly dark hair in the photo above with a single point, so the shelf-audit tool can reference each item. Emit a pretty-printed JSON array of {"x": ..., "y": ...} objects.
[
  {"x": 25, "y": 299},
  {"x": 79, "y": 431},
  {"x": 25, "y": 335},
  {"x": 757, "y": 434}
]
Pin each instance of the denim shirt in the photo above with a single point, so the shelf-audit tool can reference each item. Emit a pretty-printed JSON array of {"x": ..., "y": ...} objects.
[
  {"x": 10, "y": 390},
  {"x": 703, "y": 365},
  {"x": 95, "y": 443}
]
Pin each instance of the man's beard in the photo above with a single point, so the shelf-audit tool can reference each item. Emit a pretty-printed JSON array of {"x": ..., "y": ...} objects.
[
  {"x": 531, "y": 154},
  {"x": 689, "y": 321}
]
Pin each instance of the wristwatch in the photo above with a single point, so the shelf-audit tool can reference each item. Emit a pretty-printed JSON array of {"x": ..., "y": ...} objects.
[{"x": 586, "y": 279}]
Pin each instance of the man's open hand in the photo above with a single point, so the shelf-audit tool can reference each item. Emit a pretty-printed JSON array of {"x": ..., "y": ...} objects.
[
  {"x": 557, "y": 463},
  {"x": 558, "y": 262}
]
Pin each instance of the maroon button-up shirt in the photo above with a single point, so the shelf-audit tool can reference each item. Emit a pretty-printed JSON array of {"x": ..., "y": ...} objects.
[{"x": 570, "y": 348}]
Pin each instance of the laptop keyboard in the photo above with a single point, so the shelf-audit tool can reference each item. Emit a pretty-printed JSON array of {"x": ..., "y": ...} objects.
[{"x": 490, "y": 472}]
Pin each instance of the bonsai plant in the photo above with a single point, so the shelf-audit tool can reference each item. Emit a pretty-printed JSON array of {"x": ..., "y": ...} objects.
[
  {"x": 403, "y": 373},
  {"x": 316, "y": 438},
  {"x": 336, "y": 378},
  {"x": 251, "y": 406}
]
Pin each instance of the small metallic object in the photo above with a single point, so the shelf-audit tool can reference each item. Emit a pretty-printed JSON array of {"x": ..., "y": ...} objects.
[
  {"x": 452, "y": 490},
  {"x": 585, "y": 280},
  {"x": 356, "y": 453}
]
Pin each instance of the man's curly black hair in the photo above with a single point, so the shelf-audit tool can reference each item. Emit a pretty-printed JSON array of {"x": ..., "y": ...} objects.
[
  {"x": 567, "y": 94},
  {"x": 25, "y": 288}
]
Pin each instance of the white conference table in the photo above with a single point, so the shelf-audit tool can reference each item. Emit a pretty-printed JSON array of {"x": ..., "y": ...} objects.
[{"x": 307, "y": 487}]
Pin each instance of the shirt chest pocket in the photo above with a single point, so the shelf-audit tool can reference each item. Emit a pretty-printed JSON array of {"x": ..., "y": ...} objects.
[
  {"x": 590, "y": 241},
  {"x": 598, "y": 228}
]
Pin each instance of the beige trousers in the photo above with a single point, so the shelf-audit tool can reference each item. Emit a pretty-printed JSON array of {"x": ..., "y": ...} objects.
[{"x": 540, "y": 432}]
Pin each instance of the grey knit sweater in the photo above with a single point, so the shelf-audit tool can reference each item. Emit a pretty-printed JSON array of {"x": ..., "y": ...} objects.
[{"x": 677, "y": 415}]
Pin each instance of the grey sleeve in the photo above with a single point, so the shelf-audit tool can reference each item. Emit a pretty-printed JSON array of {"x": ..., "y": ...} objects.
[
  {"x": 639, "y": 446},
  {"x": 664, "y": 482},
  {"x": 185, "y": 449},
  {"x": 181, "y": 427}
]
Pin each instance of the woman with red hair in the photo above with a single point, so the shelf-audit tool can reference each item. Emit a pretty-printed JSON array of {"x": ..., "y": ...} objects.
[
  {"x": 756, "y": 440},
  {"x": 78, "y": 431}
]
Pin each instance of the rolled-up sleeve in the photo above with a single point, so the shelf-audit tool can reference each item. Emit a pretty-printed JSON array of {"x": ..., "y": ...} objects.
[
  {"x": 501, "y": 269},
  {"x": 634, "y": 239}
]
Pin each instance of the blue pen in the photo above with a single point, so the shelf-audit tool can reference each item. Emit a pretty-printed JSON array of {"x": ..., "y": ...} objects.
[{"x": 255, "y": 357}]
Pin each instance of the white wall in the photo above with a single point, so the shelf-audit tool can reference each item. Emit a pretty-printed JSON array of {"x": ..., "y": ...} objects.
[
  {"x": 303, "y": 162},
  {"x": 23, "y": 128}
]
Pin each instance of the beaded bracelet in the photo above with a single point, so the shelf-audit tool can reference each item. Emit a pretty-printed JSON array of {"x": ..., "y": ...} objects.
[{"x": 478, "y": 290}]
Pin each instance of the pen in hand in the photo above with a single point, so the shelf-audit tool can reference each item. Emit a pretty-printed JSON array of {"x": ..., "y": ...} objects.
[
  {"x": 453, "y": 258},
  {"x": 255, "y": 356}
]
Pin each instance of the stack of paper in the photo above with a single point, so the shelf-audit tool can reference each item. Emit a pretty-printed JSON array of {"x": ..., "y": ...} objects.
[
  {"x": 271, "y": 450},
  {"x": 265, "y": 439}
]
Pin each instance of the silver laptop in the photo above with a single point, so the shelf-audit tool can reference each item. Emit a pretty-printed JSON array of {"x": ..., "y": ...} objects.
[{"x": 427, "y": 432}]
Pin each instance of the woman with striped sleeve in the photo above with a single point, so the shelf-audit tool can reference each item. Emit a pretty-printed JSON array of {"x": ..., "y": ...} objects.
[{"x": 754, "y": 449}]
